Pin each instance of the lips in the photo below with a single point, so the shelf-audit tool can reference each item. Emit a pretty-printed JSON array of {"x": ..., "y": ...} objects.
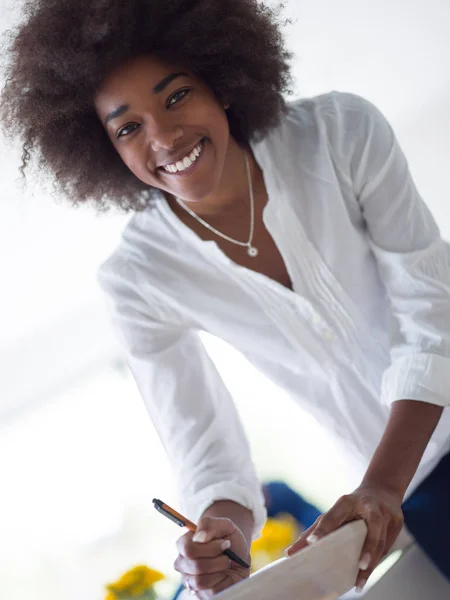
[
  {"x": 182, "y": 154},
  {"x": 193, "y": 167}
]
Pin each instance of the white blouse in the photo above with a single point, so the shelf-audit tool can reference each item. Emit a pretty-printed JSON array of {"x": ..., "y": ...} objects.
[{"x": 367, "y": 322}]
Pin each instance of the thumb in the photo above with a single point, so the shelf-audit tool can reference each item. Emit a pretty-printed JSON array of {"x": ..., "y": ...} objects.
[{"x": 213, "y": 528}]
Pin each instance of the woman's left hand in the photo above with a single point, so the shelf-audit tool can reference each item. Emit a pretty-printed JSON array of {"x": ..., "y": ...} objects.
[{"x": 381, "y": 510}]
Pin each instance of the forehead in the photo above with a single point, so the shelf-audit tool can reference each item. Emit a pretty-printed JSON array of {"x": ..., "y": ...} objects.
[{"x": 134, "y": 75}]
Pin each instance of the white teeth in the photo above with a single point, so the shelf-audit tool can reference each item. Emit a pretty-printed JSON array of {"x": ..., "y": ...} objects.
[{"x": 186, "y": 162}]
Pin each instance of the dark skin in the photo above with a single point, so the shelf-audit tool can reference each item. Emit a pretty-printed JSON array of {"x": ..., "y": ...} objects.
[
  {"x": 218, "y": 190},
  {"x": 152, "y": 131}
]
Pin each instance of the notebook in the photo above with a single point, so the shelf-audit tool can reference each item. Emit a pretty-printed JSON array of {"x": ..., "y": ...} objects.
[{"x": 323, "y": 571}]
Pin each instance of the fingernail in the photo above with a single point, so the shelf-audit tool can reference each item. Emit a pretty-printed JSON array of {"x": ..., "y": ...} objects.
[
  {"x": 312, "y": 539},
  {"x": 225, "y": 545},
  {"x": 200, "y": 536},
  {"x": 365, "y": 562},
  {"x": 361, "y": 584}
]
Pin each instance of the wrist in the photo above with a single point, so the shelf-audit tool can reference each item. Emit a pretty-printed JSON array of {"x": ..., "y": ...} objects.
[{"x": 392, "y": 488}]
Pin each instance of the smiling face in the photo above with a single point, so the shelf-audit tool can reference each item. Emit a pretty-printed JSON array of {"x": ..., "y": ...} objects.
[{"x": 156, "y": 114}]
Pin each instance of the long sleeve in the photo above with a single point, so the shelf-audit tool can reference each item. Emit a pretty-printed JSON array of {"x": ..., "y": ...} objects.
[
  {"x": 413, "y": 260},
  {"x": 188, "y": 402}
]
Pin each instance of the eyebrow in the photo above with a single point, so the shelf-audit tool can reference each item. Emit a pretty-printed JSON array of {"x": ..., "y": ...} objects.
[{"x": 159, "y": 87}]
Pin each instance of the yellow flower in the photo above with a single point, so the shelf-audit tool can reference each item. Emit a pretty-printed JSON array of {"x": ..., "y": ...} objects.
[
  {"x": 133, "y": 583},
  {"x": 276, "y": 536}
]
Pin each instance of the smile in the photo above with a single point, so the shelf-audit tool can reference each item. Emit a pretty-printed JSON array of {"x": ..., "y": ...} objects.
[{"x": 187, "y": 164}]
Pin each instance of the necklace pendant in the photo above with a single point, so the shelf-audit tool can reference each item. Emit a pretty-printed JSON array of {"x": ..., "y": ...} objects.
[{"x": 252, "y": 251}]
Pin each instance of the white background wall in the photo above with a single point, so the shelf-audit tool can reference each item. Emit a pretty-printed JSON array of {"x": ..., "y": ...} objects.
[{"x": 79, "y": 470}]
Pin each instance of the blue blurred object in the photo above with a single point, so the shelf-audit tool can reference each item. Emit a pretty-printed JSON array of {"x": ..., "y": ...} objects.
[
  {"x": 280, "y": 498},
  {"x": 178, "y": 592},
  {"x": 427, "y": 515}
]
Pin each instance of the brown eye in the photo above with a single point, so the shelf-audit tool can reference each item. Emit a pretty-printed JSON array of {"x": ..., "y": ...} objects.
[
  {"x": 184, "y": 92},
  {"x": 125, "y": 129}
]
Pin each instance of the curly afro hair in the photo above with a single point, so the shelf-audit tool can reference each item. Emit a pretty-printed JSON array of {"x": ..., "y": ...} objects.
[{"x": 64, "y": 49}]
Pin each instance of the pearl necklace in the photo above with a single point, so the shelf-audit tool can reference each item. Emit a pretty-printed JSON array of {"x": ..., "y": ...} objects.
[{"x": 251, "y": 250}]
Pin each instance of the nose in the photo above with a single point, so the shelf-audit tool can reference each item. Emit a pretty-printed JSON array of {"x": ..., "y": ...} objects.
[{"x": 165, "y": 138}]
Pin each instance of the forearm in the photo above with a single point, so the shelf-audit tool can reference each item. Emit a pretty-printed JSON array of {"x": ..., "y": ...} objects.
[
  {"x": 241, "y": 516},
  {"x": 409, "y": 429}
]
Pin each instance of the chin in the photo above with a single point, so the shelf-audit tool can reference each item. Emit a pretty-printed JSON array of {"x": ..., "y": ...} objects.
[
  {"x": 195, "y": 194},
  {"x": 192, "y": 199}
]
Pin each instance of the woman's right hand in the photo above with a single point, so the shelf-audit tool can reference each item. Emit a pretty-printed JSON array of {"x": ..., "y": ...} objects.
[{"x": 203, "y": 567}]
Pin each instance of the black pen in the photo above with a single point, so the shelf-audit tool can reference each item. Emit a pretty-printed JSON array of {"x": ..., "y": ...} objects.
[{"x": 175, "y": 516}]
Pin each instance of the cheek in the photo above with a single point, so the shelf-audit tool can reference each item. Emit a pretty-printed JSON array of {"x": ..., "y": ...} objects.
[
  {"x": 134, "y": 161},
  {"x": 219, "y": 121},
  {"x": 223, "y": 133}
]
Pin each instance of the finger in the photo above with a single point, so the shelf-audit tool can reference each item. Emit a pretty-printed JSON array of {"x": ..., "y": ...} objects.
[
  {"x": 325, "y": 524},
  {"x": 194, "y": 550},
  {"x": 375, "y": 524},
  {"x": 379, "y": 552},
  {"x": 187, "y": 585},
  {"x": 222, "y": 585},
  {"x": 301, "y": 542},
  {"x": 210, "y": 528},
  {"x": 368, "y": 558},
  {"x": 339, "y": 514},
  {"x": 201, "y": 566},
  {"x": 393, "y": 532},
  {"x": 200, "y": 583}
]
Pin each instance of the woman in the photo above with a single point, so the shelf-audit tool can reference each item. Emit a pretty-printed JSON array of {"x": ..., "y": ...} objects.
[{"x": 291, "y": 230}]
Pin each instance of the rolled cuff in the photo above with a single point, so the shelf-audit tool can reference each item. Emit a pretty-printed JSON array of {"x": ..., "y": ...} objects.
[
  {"x": 194, "y": 506},
  {"x": 422, "y": 377}
]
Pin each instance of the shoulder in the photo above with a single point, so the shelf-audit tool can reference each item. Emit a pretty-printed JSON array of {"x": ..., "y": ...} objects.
[
  {"x": 330, "y": 105},
  {"x": 335, "y": 114},
  {"x": 335, "y": 125}
]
